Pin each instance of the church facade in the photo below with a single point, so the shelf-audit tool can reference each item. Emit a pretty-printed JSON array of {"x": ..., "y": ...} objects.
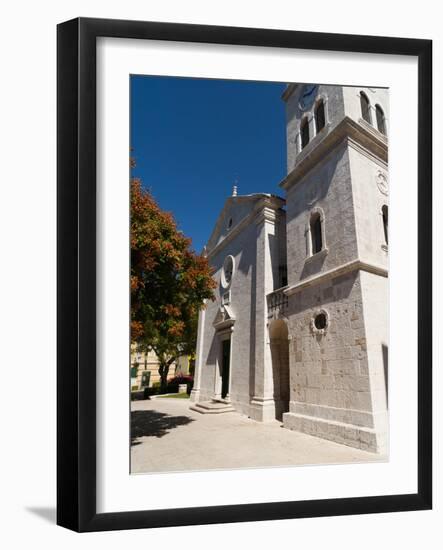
[{"x": 299, "y": 328}]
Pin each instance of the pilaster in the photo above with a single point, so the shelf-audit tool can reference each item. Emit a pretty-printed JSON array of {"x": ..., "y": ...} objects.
[
  {"x": 195, "y": 392},
  {"x": 263, "y": 404}
]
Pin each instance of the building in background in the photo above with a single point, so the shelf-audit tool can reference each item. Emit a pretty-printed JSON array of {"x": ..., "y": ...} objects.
[{"x": 144, "y": 368}]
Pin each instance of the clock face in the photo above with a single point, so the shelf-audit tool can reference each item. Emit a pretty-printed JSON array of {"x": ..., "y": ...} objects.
[{"x": 307, "y": 96}]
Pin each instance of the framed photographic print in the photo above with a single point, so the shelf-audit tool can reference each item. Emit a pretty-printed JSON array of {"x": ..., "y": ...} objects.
[{"x": 244, "y": 274}]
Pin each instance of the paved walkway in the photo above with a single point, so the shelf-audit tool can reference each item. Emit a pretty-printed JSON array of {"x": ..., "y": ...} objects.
[{"x": 167, "y": 436}]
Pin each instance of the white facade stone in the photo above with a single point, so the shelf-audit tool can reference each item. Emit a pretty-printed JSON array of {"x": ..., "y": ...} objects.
[{"x": 308, "y": 329}]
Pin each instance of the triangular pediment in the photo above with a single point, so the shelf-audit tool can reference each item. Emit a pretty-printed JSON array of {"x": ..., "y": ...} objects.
[
  {"x": 235, "y": 210},
  {"x": 224, "y": 318}
]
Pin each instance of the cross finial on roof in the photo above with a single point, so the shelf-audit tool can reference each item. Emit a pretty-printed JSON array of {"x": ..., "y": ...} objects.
[{"x": 235, "y": 188}]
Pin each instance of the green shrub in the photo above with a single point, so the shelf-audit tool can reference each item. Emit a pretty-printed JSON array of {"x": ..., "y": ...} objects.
[
  {"x": 173, "y": 383},
  {"x": 153, "y": 390}
]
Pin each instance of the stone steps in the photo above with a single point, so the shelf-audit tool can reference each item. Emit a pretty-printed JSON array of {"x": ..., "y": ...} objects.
[{"x": 212, "y": 407}]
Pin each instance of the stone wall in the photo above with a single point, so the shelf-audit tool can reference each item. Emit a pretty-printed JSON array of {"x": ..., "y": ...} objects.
[
  {"x": 370, "y": 194},
  {"x": 333, "y": 310},
  {"x": 328, "y": 189},
  {"x": 352, "y": 107},
  {"x": 338, "y": 375},
  {"x": 375, "y": 292},
  {"x": 258, "y": 254},
  {"x": 330, "y": 384},
  {"x": 334, "y": 111},
  {"x": 242, "y": 304}
]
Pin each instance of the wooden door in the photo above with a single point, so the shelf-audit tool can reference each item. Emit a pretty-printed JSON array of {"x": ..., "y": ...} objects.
[{"x": 226, "y": 353}]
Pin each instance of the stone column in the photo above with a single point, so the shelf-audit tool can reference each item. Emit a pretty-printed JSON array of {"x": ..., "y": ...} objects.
[
  {"x": 195, "y": 392},
  {"x": 263, "y": 404},
  {"x": 297, "y": 142},
  {"x": 312, "y": 128}
]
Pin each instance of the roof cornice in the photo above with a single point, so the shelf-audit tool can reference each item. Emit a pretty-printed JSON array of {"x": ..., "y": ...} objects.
[
  {"x": 354, "y": 265},
  {"x": 356, "y": 134}
]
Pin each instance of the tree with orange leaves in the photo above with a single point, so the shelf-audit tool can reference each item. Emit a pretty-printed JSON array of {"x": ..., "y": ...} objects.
[{"x": 169, "y": 283}]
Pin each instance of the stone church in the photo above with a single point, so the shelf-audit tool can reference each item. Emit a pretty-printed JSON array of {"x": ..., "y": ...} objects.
[{"x": 299, "y": 328}]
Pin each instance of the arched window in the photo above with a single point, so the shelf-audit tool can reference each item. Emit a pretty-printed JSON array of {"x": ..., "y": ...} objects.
[
  {"x": 380, "y": 116},
  {"x": 316, "y": 233},
  {"x": 365, "y": 107},
  {"x": 304, "y": 132},
  {"x": 320, "y": 118},
  {"x": 384, "y": 212}
]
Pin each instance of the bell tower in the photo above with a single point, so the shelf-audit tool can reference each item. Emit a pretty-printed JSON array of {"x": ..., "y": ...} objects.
[{"x": 337, "y": 250}]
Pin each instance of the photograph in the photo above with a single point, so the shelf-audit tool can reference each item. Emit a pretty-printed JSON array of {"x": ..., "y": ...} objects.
[
  {"x": 233, "y": 317},
  {"x": 259, "y": 289}
]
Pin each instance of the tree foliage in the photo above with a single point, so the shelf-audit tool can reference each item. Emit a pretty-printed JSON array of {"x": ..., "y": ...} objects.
[{"x": 169, "y": 282}]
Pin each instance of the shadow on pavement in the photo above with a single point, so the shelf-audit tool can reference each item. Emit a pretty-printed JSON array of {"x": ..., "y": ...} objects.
[{"x": 154, "y": 424}]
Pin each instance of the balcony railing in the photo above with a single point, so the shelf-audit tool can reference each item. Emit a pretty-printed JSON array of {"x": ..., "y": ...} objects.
[{"x": 277, "y": 300}]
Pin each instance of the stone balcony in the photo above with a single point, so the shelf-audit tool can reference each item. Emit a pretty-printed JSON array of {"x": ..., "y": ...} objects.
[{"x": 277, "y": 302}]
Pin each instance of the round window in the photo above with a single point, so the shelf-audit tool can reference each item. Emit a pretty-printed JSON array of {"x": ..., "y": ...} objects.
[
  {"x": 228, "y": 271},
  {"x": 320, "y": 322}
]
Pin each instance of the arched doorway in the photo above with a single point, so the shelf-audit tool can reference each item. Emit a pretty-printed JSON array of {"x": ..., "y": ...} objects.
[{"x": 278, "y": 337}]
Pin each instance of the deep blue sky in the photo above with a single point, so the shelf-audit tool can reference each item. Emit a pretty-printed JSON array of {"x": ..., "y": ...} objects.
[{"x": 192, "y": 138}]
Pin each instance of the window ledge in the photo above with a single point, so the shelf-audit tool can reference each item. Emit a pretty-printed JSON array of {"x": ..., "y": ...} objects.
[
  {"x": 323, "y": 252},
  {"x": 374, "y": 131},
  {"x": 315, "y": 139}
]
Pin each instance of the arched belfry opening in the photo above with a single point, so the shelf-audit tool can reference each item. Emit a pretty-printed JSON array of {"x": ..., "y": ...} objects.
[{"x": 279, "y": 342}]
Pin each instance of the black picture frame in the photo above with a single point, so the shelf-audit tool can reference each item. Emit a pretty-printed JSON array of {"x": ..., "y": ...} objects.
[{"x": 76, "y": 265}]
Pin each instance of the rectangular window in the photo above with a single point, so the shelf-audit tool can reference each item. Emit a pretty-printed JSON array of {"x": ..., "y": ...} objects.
[
  {"x": 283, "y": 275},
  {"x": 385, "y": 222},
  {"x": 365, "y": 108},
  {"x": 380, "y": 120},
  {"x": 320, "y": 116},
  {"x": 316, "y": 236},
  {"x": 304, "y": 134}
]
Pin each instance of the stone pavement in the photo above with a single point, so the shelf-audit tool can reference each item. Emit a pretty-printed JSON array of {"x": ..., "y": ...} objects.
[{"x": 167, "y": 436}]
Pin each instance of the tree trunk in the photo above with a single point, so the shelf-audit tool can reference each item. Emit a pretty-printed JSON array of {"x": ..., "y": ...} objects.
[{"x": 163, "y": 370}]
